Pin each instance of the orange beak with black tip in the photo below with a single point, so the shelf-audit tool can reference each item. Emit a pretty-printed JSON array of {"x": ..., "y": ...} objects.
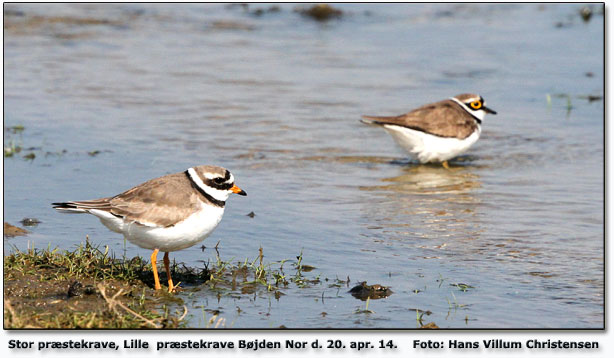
[{"x": 235, "y": 189}]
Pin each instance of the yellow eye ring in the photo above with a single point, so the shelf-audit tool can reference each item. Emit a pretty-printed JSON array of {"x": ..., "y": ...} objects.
[{"x": 476, "y": 104}]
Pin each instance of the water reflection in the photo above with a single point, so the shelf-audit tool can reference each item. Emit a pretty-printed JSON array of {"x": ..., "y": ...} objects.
[
  {"x": 429, "y": 180},
  {"x": 426, "y": 207}
]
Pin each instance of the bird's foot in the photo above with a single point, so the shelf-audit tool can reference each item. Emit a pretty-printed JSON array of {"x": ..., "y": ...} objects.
[{"x": 174, "y": 288}]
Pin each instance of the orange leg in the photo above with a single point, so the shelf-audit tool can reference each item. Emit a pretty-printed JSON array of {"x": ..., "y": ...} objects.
[
  {"x": 171, "y": 288},
  {"x": 154, "y": 267}
]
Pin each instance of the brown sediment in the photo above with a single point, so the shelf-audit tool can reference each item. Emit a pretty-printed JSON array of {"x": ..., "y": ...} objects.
[
  {"x": 321, "y": 12},
  {"x": 12, "y": 231},
  {"x": 231, "y": 25},
  {"x": 81, "y": 289},
  {"x": 430, "y": 325}
]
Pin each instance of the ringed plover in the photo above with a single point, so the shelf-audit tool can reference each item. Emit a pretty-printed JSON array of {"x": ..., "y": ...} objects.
[{"x": 166, "y": 214}]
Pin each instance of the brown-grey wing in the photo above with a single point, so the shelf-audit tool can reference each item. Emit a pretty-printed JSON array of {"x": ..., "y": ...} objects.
[
  {"x": 444, "y": 119},
  {"x": 158, "y": 202}
]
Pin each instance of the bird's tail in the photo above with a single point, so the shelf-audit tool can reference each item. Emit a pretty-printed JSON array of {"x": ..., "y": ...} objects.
[
  {"x": 78, "y": 207},
  {"x": 374, "y": 120},
  {"x": 68, "y": 208}
]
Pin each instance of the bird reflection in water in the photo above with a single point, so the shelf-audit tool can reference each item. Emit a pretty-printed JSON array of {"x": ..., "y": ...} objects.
[{"x": 425, "y": 206}]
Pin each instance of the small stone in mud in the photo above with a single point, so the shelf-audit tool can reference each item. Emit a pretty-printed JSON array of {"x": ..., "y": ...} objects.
[
  {"x": 307, "y": 268},
  {"x": 12, "y": 231},
  {"x": 260, "y": 12},
  {"x": 321, "y": 12},
  {"x": 29, "y": 156},
  {"x": 231, "y": 25},
  {"x": 30, "y": 221},
  {"x": 251, "y": 214},
  {"x": 89, "y": 290},
  {"x": 93, "y": 153},
  {"x": 75, "y": 289},
  {"x": 591, "y": 97},
  {"x": 364, "y": 291},
  {"x": 430, "y": 325},
  {"x": 213, "y": 312},
  {"x": 586, "y": 13}
]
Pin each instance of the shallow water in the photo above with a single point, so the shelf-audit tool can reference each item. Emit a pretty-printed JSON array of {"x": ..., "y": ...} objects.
[{"x": 276, "y": 98}]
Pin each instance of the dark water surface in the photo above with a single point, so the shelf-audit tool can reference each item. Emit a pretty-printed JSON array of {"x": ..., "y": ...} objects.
[{"x": 112, "y": 95}]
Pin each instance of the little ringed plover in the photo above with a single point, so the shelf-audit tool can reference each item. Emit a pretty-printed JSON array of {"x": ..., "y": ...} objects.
[
  {"x": 166, "y": 214},
  {"x": 438, "y": 131}
]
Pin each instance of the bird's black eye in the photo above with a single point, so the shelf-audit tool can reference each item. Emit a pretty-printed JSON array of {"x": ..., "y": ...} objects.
[{"x": 219, "y": 180}]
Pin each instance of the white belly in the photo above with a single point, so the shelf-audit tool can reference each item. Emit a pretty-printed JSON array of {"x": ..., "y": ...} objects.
[
  {"x": 186, "y": 233},
  {"x": 429, "y": 148}
]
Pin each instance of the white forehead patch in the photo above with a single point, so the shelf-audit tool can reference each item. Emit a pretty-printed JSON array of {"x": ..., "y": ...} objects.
[
  {"x": 460, "y": 103},
  {"x": 213, "y": 176}
]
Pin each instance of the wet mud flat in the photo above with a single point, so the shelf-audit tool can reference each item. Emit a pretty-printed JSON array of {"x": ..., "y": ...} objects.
[
  {"x": 84, "y": 288},
  {"x": 89, "y": 288}
]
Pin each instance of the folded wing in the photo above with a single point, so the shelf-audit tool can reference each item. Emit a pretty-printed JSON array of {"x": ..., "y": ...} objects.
[{"x": 444, "y": 119}]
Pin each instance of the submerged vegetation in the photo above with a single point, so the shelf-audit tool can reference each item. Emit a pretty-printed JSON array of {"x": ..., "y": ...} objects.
[{"x": 12, "y": 145}]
